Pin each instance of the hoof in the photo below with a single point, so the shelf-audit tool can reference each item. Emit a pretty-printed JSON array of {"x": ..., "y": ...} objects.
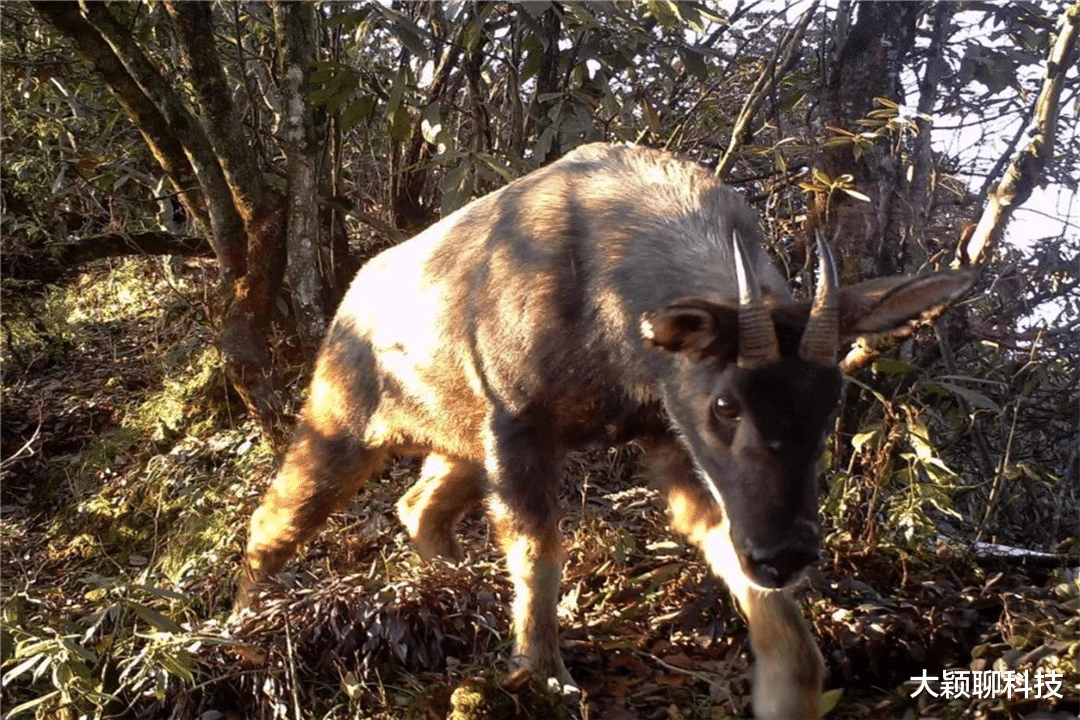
[{"x": 556, "y": 679}]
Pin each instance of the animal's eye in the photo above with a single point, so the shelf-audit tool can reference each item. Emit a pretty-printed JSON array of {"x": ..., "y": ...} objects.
[{"x": 726, "y": 407}]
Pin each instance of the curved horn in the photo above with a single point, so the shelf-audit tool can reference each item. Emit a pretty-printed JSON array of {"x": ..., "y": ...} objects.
[
  {"x": 820, "y": 340},
  {"x": 757, "y": 336}
]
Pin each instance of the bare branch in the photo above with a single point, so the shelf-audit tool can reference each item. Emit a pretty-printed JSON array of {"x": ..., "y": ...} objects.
[
  {"x": 1028, "y": 168},
  {"x": 60, "y": 260},
  {"x": 781, "y": 61}
]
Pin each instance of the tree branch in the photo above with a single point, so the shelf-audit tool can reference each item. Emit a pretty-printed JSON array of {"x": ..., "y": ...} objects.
[
  {"x": 253, "y": 197},
  {"x": 225, "y": 227},
  {"x": 1028, "y": 168},
  {"x": 60, "y": 260},
  {"x": 148, "y": 118},
  {"x": 781, "y": 61}
]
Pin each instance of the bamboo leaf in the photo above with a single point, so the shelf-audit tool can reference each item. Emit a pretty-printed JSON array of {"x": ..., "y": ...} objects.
[
  {"x": 154, "y": 618},
  {"x": 856, "y": 194},
  {"x": 30, "y": 704}
]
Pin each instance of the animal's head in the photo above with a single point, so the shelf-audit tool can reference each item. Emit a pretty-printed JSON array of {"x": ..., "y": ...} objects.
[{"x": 754, "y": 390}]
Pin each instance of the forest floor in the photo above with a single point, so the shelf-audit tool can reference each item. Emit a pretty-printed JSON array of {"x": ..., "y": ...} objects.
[{"x": 129, "y": 477}]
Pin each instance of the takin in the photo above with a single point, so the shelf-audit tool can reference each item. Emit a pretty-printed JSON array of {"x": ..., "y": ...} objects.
[{"x": 618, "y": 294}]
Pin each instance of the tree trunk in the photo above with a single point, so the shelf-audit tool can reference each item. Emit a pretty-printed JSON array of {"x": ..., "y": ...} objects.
[
  {"x": 294, "y": 24},
  {"x": 923, "y": 172},
  {"x": 226, "y": 227},
  {"x": 220, "y": 184},
  {"x": 246, "y": 323},
  {"x": 866, "y": 64}
]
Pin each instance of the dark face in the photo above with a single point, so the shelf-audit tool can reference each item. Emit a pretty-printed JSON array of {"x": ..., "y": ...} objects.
[
  {"x": 756, "y": 436},
  {"x": 752, "y": 390}
]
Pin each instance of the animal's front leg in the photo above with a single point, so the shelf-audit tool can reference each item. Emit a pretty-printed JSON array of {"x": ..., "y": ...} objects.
[
  {"x": 523, "y": 466},
  {"x": 322, "y": 472},
  {"x": 534, "y": 559},
  {"x": 789, "y": 670}
]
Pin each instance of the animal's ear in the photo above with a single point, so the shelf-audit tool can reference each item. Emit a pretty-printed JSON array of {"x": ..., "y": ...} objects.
[
  {"x": 884, "y": 304},
  {"x": 692, "y": 326}
]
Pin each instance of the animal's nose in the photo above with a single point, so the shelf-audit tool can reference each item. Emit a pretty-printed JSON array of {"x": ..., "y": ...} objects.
[{"x": 776, "y": 566}]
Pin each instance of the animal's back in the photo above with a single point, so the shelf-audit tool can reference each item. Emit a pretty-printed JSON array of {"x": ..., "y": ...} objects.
[{"x": 534, "y": 292}]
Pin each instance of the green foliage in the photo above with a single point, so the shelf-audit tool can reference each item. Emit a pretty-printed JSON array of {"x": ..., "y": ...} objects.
[
  {"x": 633, "y": 70},
  {"x": 138, "y": 518},
  {"x": 74, "y": 660},
  {"x": 71, "y": 161},
  {"x": 922, "y": 461}
]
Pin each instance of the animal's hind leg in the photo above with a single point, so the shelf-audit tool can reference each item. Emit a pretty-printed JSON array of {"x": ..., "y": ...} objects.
[
  {"x": 788, "y": 668},
  {"x": 322, "y": 472},
  {"x": 448, "y": 487}
]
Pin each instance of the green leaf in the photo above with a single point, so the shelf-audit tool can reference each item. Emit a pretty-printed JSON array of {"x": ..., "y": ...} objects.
[
  {"x": 431, "y": 123},
  {"x": 409, "y": 33},
  {"x": 535, "y": 9},
  {"x": 863, "y": 438},
  {"x": 78, "y": 650},
  {"x": 828, "y": 701},
  {"x": 533, "y": 59},
  {"x": 357, "y": 112},
  {"x": 892, "y": 366},
  {"x": 332, "y": 87},
  {"x": 663, "y": 11},
  {"x": 348, "y": 20},
  {"x": 452, "y": 187},
  {"x": 400, "y": 124},
  {"x": 580, "y": 13},
  {"x": 496, "y": 164},
  {"x": 820, "y": 176},
  {"x": 178, "y": 665},
  {"x": 973, "y": 397},
  {"x": 23, "y": 667},
  {"x": 951, "y": 512},
  {"x": 30, "y": 704},
  {"x": 690, "y": 14},
  {"x": 397, "y": 92},
  {"x": 160, "y": 592},
  {"x": 856, "y": 194},
  {"x": 651, "y": 116},
  {"x": 694, "y": 63},
  {"x": 543, "y": 143},
  {"x": 473, "y": 34},
  {"x": 155, "y": 619}
]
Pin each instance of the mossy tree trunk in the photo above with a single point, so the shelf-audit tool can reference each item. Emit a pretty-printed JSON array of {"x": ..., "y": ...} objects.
[{"x": 209, "y": 157}]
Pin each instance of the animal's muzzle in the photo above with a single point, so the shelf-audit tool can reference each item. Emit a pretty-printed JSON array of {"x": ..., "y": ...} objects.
[{"x": 781, "y": 564}]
